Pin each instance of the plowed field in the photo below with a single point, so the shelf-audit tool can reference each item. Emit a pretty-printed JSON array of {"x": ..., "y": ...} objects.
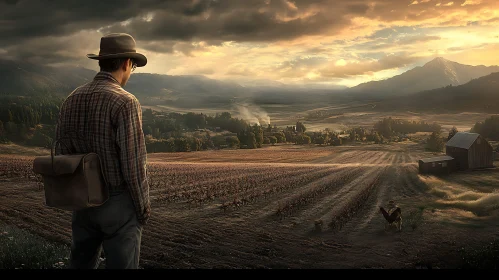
[{"x": 287, "y": 207}]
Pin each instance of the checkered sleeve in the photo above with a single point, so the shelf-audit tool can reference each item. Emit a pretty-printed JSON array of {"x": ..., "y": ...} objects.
[
  {"x": 59, "y": 148},
  {"x": 133, "y": 156}
]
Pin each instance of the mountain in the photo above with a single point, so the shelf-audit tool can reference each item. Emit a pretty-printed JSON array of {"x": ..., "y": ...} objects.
[
  {"x": 184, "y": 91},
  {"x": 22, "y": 78},
  {"x": 478, "y": 95},
  {"x": 26, "y": 79},
  {"x": 436, "y": 73}
]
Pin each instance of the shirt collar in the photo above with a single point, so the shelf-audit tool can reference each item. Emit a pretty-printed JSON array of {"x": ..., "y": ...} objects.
[{"x": 102, "y": 75}]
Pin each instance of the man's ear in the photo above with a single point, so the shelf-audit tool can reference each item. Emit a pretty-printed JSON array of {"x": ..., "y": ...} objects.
[{"x": 125, "y": 64}]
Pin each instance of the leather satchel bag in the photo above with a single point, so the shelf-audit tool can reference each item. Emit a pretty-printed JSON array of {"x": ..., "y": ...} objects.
[{"x": 73, "y": 181}]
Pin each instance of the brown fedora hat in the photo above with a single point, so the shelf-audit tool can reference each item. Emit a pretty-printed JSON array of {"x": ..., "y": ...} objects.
[{"x": 119, "y": 45}]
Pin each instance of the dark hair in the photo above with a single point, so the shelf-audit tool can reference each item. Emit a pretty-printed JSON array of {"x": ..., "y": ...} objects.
[{"x": 111, "y": 65}]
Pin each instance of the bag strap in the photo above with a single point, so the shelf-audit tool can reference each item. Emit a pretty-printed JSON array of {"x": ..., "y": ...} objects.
[
  {"x": 55, "y": 142},
  {"x": 52, "y": 149}
]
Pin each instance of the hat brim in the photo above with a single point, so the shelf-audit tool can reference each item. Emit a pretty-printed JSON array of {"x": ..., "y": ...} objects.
[{"x": 139, "y": 58}]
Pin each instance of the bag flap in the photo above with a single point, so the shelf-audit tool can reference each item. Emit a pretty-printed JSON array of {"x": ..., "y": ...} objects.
[{"x": 63, "y": 164}]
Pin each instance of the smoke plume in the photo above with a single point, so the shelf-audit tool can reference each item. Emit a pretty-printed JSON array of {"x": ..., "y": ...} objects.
[{"x": 252, "y": 113}]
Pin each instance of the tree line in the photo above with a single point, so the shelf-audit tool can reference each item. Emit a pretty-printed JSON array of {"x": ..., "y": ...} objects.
[
  {"x": 28, "y": 120},
  {"x": 31, "y": 121},
  {"x": 387, "y": 127},
  {"x": 489, "y": 128}
]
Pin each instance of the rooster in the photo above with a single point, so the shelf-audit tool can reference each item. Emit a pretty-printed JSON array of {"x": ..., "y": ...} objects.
[{"x": 393, "y": 216}]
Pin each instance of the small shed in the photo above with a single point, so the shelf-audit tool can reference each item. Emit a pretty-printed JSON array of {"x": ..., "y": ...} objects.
[
  {"x": 437, "y": 165},
  {"x": 470, "y": 150}
]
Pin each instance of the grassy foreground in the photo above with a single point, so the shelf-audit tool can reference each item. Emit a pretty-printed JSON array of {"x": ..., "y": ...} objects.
[{"x": 20, "y": 249}]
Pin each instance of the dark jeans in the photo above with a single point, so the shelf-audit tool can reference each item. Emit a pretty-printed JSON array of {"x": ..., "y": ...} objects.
[{"x": 112, "y": 226}]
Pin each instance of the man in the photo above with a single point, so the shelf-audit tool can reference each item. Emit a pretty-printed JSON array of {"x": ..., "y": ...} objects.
[{"x": 102, "y": 117}]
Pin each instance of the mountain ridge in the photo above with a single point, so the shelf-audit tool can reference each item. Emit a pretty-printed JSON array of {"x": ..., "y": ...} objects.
[
  {"x": 478, "y": 95},
  {"x": 434, "y": 74}
]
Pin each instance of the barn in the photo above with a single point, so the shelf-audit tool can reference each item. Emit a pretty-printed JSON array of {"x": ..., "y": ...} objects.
[
  {"x": 437, "y": 165},
  {"x": 470, "y": 151}
]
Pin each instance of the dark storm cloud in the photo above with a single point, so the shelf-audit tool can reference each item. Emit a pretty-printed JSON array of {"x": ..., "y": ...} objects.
[
  {"x": 213, "y": 21},
  {"x": 249, "y": 20},
  {"x": 73, "y": 47},
  {"x": 238, "y": 24},
  {"x": 358, "y": 9},
  {"x": 185, "y": 20},
  {"x": 30, "y": 19},
  {"x": 169, "y": 26}
]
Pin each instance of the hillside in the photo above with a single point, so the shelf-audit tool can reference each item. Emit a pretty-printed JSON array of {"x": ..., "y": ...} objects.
[
  {"x": 184, "y": 91},
  {"x": 478, "y": 95},
  {"x": 437, "y": 73},
  {"x": 21, "y": 78}
]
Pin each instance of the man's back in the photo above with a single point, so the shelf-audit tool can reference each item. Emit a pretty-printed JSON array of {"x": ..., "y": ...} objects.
[{"x": 102, "y": 117}]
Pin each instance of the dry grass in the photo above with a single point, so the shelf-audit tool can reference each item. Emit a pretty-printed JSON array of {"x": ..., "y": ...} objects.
[
  {"x": 465, "y": 191},
  {"x": 15, "y": 149}
]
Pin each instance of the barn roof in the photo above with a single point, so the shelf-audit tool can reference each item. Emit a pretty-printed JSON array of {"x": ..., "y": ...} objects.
[
  {"x": 462, "y": 140},
  {"x": 435, "y": 159}
]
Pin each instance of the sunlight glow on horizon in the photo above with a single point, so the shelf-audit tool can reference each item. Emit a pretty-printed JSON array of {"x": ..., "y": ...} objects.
[{"x": 379, "y": 41}]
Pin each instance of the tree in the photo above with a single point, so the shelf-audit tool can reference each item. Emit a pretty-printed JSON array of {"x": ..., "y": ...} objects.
[
  {"x": 289, "y": 136},
  {"x": 232, "y": 141},
  {"x": 219, "y": 141},
  {"x": 169, "y": 144},
  {"x": 452, "y": 132},
  {"x": 303, "y": 139},
  {"x": 148, "y": 114},
  {"x": 195, "y": 143},
  {"x": 353, "y": 136},
  {"x": 207, "y": 142},
  {"x": 225, "y": 115},
  {"x": 300, "y": 127},
  {"x": 281, "y": 137},
  {"x": 336, "y": 141},
  {"x": 2, "y": 131},
  {"x": 251, "y": 141},
  {"x": 272, "y": 139},
  {"x": 40, "y": 140},
  {"x": 488, "y": 128},
  {"x": 194, "y": 121},
  {"x": 182, "y": 145},
  {"x": 258, "y": 132},
  {"x": 319, "y": 140},
  {"x": 148, "y": 130},
  {"x": 156, "y": 133},
  {"x": 435, "y": 143}
]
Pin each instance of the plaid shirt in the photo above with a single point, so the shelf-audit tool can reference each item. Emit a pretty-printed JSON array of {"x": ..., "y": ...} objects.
[{"x": 110, "y": 119}]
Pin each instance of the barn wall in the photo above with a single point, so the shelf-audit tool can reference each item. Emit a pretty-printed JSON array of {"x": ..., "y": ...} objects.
[
  {"x": 422, "y": 166},
  {"x": 427, "y": 168},
  {"x": 460, "y": 156},
  {"x": 480, "y": 154}
]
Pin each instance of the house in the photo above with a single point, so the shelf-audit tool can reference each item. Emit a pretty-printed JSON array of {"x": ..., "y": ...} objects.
[
  {"x": 470, "y": 151},
  {"x": 437, "y": 165}
]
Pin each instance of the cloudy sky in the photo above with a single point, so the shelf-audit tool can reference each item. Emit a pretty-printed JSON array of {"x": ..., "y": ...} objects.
[{"x": 343, "y": 42}]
